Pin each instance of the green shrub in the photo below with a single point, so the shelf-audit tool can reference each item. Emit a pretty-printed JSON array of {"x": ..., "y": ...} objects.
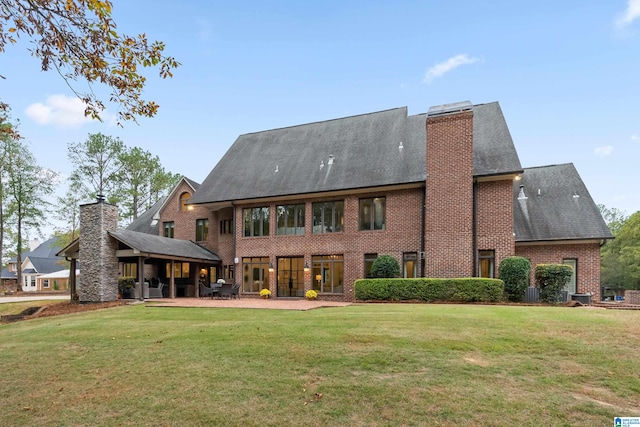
[
  {"x": 422, "y": 289},
  {"x": 385, "y": 266},
  {"x": 551, "y": 278},
  {"x": 514, "y": 272},
  {"x": 126, "y": 283}
]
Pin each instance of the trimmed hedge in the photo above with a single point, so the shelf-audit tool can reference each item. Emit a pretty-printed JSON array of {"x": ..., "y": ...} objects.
[{"x": 424, "y": 289}]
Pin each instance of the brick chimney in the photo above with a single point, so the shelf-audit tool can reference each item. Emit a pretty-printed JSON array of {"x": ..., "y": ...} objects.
[
  {"x": 449, "y": 191},
  {"x": 98, "y": 281}
]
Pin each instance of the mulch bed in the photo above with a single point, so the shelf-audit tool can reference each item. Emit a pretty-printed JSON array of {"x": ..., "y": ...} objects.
[{"x": 73, "y": 307}]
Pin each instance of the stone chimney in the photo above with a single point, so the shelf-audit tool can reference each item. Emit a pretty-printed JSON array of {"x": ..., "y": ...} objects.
[
  {"x": 98, "y": 281},
  {"x": 449, "y": 191}
]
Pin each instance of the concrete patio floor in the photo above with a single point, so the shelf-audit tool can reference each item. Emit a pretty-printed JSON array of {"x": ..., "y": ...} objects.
[{"x": 272, "y": 303}]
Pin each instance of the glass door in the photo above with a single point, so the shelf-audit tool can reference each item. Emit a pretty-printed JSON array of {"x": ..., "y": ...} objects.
[{"x": 290, "y": 277}]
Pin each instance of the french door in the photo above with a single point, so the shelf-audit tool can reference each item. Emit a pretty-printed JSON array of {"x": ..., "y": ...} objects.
[{"x": 290, "y": 277}]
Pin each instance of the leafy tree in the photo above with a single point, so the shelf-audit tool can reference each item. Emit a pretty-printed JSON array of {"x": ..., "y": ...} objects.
[
  {"x": 68, "y": 212},
  {"x": 514, "y": 272},
  {"x": 26, "y": 188},
  {"x": 78, "y": 39},
  {"x": 617, "y": 260},
  {"x": 138, "y": 169},
  {"x": 7, "y": 150},
  {"x": 97, "y": 165},
  {"x": 385, "y": 266},
  {"x": 621, "y": 258},
  {"x": 614, "y": 217}
]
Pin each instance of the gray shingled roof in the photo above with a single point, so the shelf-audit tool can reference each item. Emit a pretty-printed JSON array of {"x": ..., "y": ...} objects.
[
  {"x": 143, "y": 223},
  {"x": 348, "y": 153},
  {"x": 493, "y": 150},
  {"x": 164, "y": 246},
  {"x": 558, "y": 206},
  {"x": 47, "y": 265}
]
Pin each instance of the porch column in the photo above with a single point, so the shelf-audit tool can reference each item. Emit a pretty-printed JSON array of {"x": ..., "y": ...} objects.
[{"x": 172, "y": 285}]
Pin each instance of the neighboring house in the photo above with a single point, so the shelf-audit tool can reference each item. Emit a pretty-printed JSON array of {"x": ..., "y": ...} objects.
[
  {"x": 312, "y": 206},
  {"x": 40, "y": 260},
  {"x": 57, "y": 281}
]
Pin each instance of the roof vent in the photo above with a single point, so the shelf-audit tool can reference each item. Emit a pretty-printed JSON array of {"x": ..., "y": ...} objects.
[
  {"x": 321, "y": 164},
  {"x": 521, "y": 195},
  {"x": 330, "y": 162},
  {"x": 400, "y": 147},
  {"x": 538, "y": 191},
  {"x": 576, "y": 195},
  {"x": 276, "y": 168}
]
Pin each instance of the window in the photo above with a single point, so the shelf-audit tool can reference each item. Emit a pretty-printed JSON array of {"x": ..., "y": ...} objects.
[
  {"x": 180, "y": 270},
  {"x": 372, "y": 213},
  {"x": 328, "y": 217},
  {"x": 328, "y": 273},
  {"x": 202, "y": 230},
  {"x": 184, "y": 198},
  {"x": 226, "y": 226},
  {"x": 256, "y": 222},
  {"x": 486, "y": 266},
  {"x": 368, "y": 262},
  {"x": 290, "y": 219},
  {"x": 33, "y": 281},
  {"x": 255, "y": 274},
  {"x": 130, "y": 269},
  {"x": 572, "y": 286},
  {"x": 168, "y": 228},
  {"x": 45, "y": 283},
  {"x": 229, "y": 272},
  {"x": 410, "y": 265}
]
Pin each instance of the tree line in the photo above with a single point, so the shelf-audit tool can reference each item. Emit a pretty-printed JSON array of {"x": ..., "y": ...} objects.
[
  {"x": 620, "y": 257},
  {"x": 130, "y": 177}
]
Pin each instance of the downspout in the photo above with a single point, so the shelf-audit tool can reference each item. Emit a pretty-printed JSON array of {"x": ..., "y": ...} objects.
[
  {"x": 422, "y": 231},
  {"x": 474, "y": 229},
  {"x": 235, "y": 231}
]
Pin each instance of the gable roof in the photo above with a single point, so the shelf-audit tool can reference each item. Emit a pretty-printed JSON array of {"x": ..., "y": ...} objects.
[
  {"x": 350, "y": 153},
  {"x": 46, "y": 249},
  {"x": 163, "y": 246},
  {"x": 46, "y": 265},
  {"x": 148, "y": 221},
  {"x": 557, "y": 206}
]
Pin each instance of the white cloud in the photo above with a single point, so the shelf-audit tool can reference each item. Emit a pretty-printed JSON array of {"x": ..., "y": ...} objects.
[
  {"x": 635, "y": 137},
  {"x": 444, "y": 67},
  {"x": 62, "y": 111},
  {"x": 604, "y": 151},
  {"x": 630, "y": 14}
]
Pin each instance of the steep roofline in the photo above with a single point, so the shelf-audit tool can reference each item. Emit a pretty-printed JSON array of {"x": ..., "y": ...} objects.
[{"x": 328, "y": 120}]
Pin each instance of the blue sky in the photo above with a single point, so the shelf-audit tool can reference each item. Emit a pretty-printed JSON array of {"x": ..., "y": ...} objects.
[{"x": 566, "y": 75}]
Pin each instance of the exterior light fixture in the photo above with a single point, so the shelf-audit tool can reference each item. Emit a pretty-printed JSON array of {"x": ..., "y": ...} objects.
[
  {"x": 270, "y": 268},
  {"x": 306, "y": 267}
]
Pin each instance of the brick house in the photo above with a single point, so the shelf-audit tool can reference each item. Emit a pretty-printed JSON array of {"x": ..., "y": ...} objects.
[{"x": 311, "y": 206}]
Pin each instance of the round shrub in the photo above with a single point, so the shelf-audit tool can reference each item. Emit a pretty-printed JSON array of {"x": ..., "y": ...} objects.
[
  {"x": 514, "y": 272},
  {"x": 385, "y": 267}
]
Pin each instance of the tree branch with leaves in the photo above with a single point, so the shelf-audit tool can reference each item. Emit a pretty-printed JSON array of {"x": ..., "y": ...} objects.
[{"x": 79, "y": 39}]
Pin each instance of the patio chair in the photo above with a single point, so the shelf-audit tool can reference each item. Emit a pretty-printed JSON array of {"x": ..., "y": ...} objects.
[
  {"x": 156, "y": 291},
  {"x": 205, "y": 291},
  {"x": 225, "y": 291},
  {"x": 235, "y": 292}
]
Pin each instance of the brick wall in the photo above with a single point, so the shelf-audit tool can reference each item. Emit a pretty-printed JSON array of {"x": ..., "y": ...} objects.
[
  {"x": 185, "y": 221},
  {"x": 402, "y": 234},
  {"x": 588, "y": 256},
  {"x": 449, "y": 196},
  {"x": 495, "y": 219}
]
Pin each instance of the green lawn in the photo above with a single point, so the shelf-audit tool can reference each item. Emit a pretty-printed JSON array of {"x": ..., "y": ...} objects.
[{"x": 363, "y": 365}]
